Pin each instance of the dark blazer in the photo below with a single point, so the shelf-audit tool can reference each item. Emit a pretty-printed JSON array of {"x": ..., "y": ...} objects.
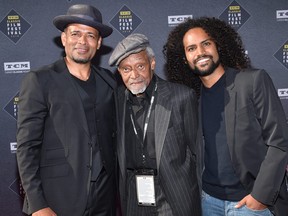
[
  {"x": 175, "y": 138},
  {"x": 54, "y": 151},
  {"x": 257, "y": 136}
]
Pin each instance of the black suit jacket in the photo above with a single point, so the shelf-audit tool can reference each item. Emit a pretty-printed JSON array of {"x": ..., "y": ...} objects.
[
  {"x": 257, "y": 136},
  {"x": 175, "y": 139},
  {"x": 54, "y": 150}
]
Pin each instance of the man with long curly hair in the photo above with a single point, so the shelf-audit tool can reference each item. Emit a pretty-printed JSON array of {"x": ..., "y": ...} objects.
[{"x": 243, "y": 124}]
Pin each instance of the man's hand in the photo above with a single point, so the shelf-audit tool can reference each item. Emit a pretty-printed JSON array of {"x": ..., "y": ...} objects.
[
  {"x": 44, "y": 212},
  {"x": 251, "y": 203}
]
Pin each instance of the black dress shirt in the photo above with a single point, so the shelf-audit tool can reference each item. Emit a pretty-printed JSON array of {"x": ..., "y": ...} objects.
[{"x": 140, "y": 154}]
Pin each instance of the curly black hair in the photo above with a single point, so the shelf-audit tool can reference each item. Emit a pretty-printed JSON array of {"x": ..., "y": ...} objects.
[{"x": 228, "y": 41}]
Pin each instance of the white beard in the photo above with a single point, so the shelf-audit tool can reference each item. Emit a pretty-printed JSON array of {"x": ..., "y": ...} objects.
[{"x": 138, "y": 91}]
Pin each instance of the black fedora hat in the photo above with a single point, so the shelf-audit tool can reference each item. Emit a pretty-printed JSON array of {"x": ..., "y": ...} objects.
[{"x": 83, "y": 14}]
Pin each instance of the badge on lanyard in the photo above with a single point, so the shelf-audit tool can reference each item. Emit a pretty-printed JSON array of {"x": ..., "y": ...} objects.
[
  {"x": 145, "y": 187},
  {"x": 145, "y": 190}
]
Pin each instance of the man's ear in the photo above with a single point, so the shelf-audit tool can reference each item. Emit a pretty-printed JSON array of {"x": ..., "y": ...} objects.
[
  {"x": 99, "y": 43},
  {"x": 63, "y": 38},
  {"x": 185, "y": 60},
  {"x": 153, "y": 63}
]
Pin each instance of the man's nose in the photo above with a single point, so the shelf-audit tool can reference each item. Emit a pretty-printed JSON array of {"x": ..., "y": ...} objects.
[
  {"x": 82, "y": 39},
  {"x": 201, "y": 51},
  {"x": 134, "y": 73}
]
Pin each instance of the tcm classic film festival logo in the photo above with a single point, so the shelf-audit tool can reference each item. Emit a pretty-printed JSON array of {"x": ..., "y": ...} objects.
[
  {"x": 125, "y": 21},
  {"x": 235, "y": 15},
  {"x": 16, "y": 187},
  {"x": 14, "y": 26},
  {"x": 282, "y": 54},
  {"x": 12, "y": 107}
]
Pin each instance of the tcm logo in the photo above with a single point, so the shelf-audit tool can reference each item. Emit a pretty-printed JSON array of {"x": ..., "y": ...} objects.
[
  {"x": 282, "y": 14},
  {"x": 234, "y": 8},
  {"x": 175, "y": 20},
  {"x": 16, "y": 67},
  {"x": 283, "y": 92},
  {"x": 13, "y": 147}
]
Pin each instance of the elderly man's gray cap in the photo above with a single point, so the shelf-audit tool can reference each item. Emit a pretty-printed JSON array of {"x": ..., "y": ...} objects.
[{"x": 133, "y": 43}]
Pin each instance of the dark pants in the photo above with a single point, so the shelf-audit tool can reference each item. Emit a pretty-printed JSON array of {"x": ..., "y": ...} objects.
[{"x": 102, "y": 196}]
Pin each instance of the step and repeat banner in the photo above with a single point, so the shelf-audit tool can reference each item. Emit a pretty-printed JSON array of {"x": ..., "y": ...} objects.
[{"x": 28, "y": 40}]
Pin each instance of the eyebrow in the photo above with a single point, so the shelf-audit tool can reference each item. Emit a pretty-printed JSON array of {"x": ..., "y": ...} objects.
[
  {"x": 208, "y": 39},
  {"x": 86, "y": 32}
]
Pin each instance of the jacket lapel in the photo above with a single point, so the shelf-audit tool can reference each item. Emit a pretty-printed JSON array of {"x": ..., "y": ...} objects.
[
  {"x": 121, "y": 142},
  {"x": 230, "y": 106},
  {"x": 162, "y": 117}
]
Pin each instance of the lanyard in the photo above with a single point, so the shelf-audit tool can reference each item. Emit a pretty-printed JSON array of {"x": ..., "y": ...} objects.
[{"x": 147, "y": 116}]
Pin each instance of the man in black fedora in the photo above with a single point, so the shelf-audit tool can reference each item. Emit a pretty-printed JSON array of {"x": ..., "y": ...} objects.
[{"x": 66, "y": 125}]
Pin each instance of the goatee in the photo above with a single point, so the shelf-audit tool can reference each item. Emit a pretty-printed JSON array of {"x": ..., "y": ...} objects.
[
  {"x": 81, "y": 61},
  {"x": 208, "y": 71}
]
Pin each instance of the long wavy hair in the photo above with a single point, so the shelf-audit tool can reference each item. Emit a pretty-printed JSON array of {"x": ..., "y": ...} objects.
[{"x": 229, "y": 45}]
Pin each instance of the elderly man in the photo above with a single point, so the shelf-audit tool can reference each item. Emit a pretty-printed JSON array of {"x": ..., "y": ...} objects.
[
  {"x": 66, "y": 125},
  {"x": 156, "y": 149}
]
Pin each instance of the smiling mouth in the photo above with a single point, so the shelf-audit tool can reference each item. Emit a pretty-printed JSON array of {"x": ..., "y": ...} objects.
[
  {"x": 202, "y": 61},
  {"x": 81, "y": 50}
]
